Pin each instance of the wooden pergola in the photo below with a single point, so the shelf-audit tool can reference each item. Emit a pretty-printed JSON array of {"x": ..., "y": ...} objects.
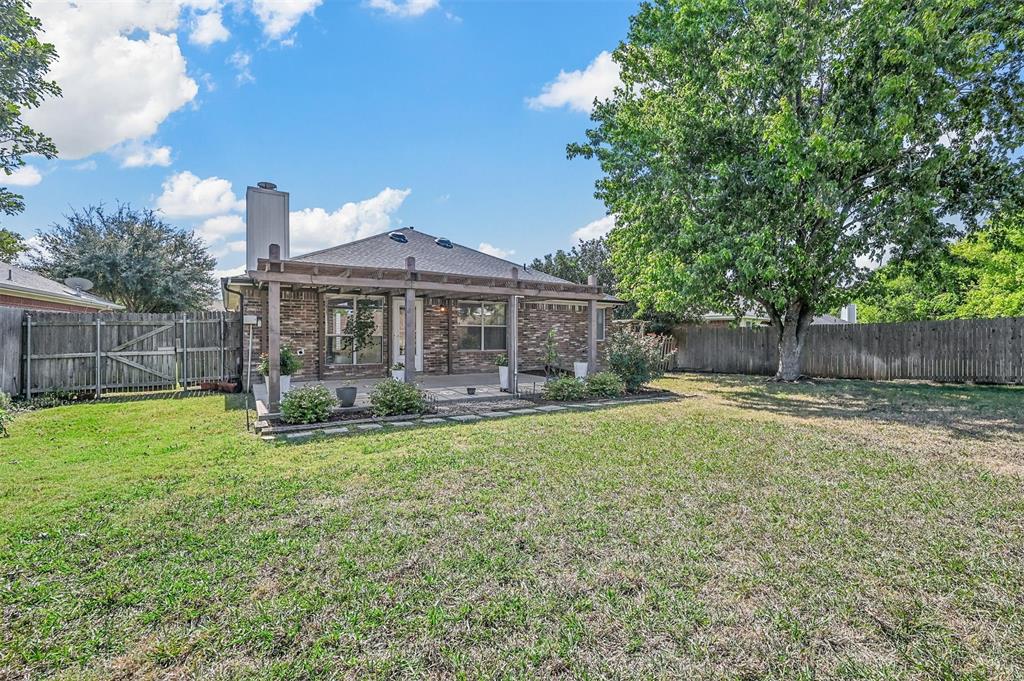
[{"x": 275, "y": 272}]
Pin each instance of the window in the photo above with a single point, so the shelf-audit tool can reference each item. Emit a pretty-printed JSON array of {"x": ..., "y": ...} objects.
[
  {"x": 480, "y": 326},
  {"x": 600, "y": 323},
  {"x": 343, "y": 317}
]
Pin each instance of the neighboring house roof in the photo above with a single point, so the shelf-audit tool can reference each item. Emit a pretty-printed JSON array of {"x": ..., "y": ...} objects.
[
  {"x": 382, "y": 251},
  {"x": 21, "y": 283},
  {"x": 826, "y": 319},
  {"x": 753, "y": 315}
]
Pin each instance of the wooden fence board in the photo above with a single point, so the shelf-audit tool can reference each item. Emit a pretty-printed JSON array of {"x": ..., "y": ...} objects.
[
  {"x": 960, "y": 350},
  {"x": 10, "y": 349}
]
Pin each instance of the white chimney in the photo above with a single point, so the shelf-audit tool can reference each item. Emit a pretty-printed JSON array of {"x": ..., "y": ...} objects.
[
  {"x": 849, "y": 313},
  {"x": 266, "y": 222}
]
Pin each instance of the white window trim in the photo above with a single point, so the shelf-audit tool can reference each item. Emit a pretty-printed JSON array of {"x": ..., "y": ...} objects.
[
  {"x": 481, "y": 325},
  {"x": 602, "y": 322},
  {"x": 327, "y": 325}
]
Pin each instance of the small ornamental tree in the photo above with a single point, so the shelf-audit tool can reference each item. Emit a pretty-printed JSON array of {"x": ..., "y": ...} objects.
[
  {"x": 634, "y": 357},
  {"x": 759, "y": 152}
]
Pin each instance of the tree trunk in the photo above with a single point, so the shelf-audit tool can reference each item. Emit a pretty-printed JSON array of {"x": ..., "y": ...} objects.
[{"x": 792, "y": 331}]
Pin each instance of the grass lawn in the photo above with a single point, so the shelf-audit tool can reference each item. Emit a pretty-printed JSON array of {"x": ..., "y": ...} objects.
[{"x": 748, "y": 530}]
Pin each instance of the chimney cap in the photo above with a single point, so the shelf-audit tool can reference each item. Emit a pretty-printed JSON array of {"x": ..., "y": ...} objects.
[{"x": 266, "y": 185}]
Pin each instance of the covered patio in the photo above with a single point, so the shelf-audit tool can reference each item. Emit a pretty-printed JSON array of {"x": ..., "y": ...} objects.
[{"x": 411, "y": 286}]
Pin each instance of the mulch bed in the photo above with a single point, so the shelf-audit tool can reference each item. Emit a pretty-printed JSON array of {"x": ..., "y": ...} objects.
[{"x": 643, "y": 393}]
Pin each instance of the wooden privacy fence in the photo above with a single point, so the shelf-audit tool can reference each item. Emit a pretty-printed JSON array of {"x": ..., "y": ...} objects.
[
  {"x": 978, "y": 350},
  {"x": 10, "y": 350},
  {"x": 128, "y": 351}
]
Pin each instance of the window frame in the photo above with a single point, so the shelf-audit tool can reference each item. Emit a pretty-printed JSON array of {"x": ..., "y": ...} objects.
[
  {"x": 602, "y": 321},
  {"x": 483, "y": 327},
  {"x": 328, "y": 335}
]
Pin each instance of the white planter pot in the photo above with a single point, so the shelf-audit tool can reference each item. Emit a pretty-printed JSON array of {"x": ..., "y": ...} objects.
[
  {"x": 398, "y": 374},
  {"x": 286, "y": 384},
  {"x": 580, "y": 368},
  {"x": 503, "y": 377}
]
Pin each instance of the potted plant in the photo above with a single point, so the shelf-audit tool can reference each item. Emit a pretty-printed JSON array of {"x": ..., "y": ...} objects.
[
  {"x": 502, "y": 362},
  {"x": 290, "y": 363},
  {"x": 580, "y": 369},
  {"x": 398, "y": 371},
  {"x": 347, "y": 395}
]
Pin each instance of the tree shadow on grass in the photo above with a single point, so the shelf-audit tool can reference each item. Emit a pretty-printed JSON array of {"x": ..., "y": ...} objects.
[{"x": 978, "y": 412}]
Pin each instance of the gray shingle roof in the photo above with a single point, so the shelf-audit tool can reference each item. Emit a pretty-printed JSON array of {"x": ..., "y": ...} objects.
[
  {"x": 382, "y": 251},
  {"x": 15, "y": 279}
]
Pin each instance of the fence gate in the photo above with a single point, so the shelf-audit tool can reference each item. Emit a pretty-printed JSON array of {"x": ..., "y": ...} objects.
[{"x": 128, "y": 351}]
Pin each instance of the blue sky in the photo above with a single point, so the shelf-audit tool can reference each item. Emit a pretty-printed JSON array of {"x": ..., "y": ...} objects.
[{"x": 451, "y": 117}]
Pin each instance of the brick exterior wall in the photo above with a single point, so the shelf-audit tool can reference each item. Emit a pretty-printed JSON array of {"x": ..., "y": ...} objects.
[
  {"x": 32, "y": 304},
  {"x": 302, "y": 318}
]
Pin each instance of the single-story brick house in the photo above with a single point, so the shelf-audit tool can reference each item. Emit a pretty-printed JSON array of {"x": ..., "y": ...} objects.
[
  {"x": 469, "y": 307},
  {"x": 27, "y": 290}
]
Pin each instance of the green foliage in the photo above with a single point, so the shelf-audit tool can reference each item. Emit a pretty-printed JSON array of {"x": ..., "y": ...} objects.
[
  {"x": 578, "y": 263},
  {"x": 132, "y": 256},
  {"x": 359, "y": 328},
  {"x": 11, "y": 245},
  {"x": 391, "y": 397},
  {"x": 501, "y": 360},
  {"x": 604, "y": 384},
  {"x": 550, "y": 351},
  {"x": 309, "y": 404},
  {"x": 52, "y": 398},
  {"x": 564, "y": 389},
  {"x": 981, "y": 275},
  {"x": 756, "y": 150},
  {"x": 23, "y": 86},
  {"x": 290, "y": 362},
  {"x": 6, "y": 412},
  {"x": 635, "y": 358}
]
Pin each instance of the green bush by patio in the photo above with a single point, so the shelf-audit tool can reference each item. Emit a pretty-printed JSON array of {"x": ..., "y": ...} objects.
[
  {"x": 604, "y": 384},
  {"x": 310, "y": 404},
  {"x": 635, "y": 357},
  {"x": 564, "y": 389},
  {"x": 391, "y": 397},
  {"x": 290, "y": 363}
]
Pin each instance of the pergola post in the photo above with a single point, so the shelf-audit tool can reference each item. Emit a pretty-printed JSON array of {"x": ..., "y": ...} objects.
[
  {"x": 512, "y": 319},
  {"x": 410, "y": 323},
  {"x": 592, "y": 329},
  {"x": 274, "y": 334}
]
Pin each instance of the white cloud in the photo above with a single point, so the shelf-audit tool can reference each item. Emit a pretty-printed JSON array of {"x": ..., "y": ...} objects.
[
  {"x": 280, "y": 16},
  {"x": 185, "y": 195},
  {"x": 408, "y": 8},
  {"x": 315, "y": 228},
  {"x": 596, "y": 229},
  {"x": 579, "y": 89},
  {"x": 494, "y": 250},
  {"x": 25, "y": 176},
  {"x": 229, "y": 272},
  {"x": 220, "y": 227},
  {"x": 85, "y": 165},
  {"x": 120, "y": 68},
  {"x": 208, "y": 29},
  {"x": 228, "y": 248},
  {"x": 241, "y": 60},
  {"x": 137, "y": 154}
]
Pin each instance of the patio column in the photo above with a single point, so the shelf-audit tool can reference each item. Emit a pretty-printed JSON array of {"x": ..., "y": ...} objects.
[
  {"x": 512, "y": 319},
  {"x": 592, "y": 329},
  {"x": 274, "y": 335},
  {"x": 410, "y": 335}
]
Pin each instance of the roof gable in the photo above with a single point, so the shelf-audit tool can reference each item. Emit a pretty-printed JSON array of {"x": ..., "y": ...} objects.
[{"x": 381, "y": 251}]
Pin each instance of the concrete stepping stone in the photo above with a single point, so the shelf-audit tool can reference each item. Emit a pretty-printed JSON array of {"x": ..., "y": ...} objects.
[
  {"x": 523, "y": 411},
  {"x": 402, "y": 424},
  {"x": 433, "y": 420},
  {"x": 369, "y": 426},
  {"x": 465, "y": 417},
  {"x": 495, "y": 414},
  {"x": 551, "y": 407}
]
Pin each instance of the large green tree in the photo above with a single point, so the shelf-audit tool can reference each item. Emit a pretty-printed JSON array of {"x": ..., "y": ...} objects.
[
  {"x": 24, "y": 62},
  {"x": 590, "y": 256},
  {"x": 132, "y": 257},
  {"x": 757, "y": 149}
]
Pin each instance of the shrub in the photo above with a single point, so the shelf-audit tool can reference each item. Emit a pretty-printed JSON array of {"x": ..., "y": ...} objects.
[
  {"x": 290, "y": 363},
  {"x": 604, "y": 384},
  {"x": 310, "y": 404},
  {"x": 564, "y": 389},
  {"x": 52, "y": 398},
  {"x": 636, "y": 358},
  {"x": 6, "y": 412},
  {"x": 391, "y": 397}
]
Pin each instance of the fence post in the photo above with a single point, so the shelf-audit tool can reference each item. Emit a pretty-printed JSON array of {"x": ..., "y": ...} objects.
[
  {"x": 28, "y": 356},
  {"x": 184, "y": 349},
  {"x": 99, "y": 360},
  {"x": 222, "y": 377}
]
